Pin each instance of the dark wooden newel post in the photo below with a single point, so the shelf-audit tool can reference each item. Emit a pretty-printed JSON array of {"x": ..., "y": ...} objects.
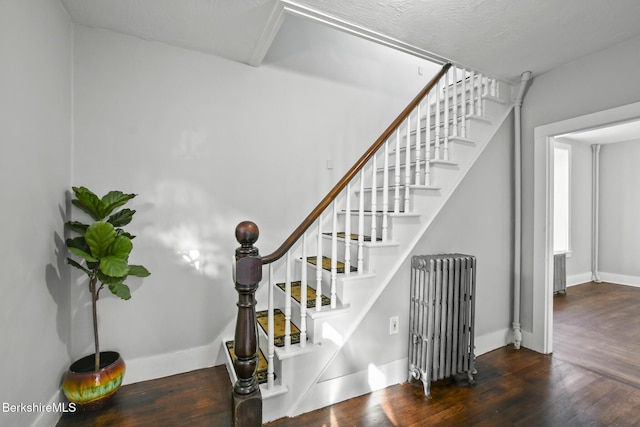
[{"x": 246, "y": 399}]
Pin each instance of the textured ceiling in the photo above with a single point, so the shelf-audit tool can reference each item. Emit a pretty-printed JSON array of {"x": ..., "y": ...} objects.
[{"x": 500, "y": 37}]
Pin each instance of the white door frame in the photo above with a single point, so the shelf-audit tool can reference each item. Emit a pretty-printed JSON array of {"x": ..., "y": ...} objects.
[{"x": 542, "y": 334}]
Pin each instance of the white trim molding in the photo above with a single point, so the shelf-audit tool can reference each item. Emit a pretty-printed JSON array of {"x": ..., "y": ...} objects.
[{"x": 620, "y": 279}]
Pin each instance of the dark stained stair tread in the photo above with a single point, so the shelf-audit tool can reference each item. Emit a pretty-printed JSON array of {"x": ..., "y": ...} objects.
[
  {"x": 262, "y": 362},
  {"x": 278, "y": 327},
  {"x": 326, "y": 264},
  {"x": 311, "y": 294}
]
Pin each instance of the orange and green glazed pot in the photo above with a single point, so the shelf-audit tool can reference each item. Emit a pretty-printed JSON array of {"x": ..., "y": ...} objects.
[{"x": 89, "y": 389}]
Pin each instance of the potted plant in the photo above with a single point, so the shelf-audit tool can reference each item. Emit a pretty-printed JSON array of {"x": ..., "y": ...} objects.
[{"x": 103, "y": 248}]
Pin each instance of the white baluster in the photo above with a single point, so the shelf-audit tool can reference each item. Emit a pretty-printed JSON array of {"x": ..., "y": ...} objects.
[
  {"x": 396, "y": 175},
  {"x": 361, "y": 225},
  {"x": 427, "y": 144},
  {"x": 436, "y": 154},
  {"x": 385, "y": 192},
  {"x": 496, "y": 86},
  {"x": 445, "y": 122},
  {"x": 374, "y": 199},
  {"x": 463, "y": 105},
  {"x": 479, "y": 98},
  {"x": 456, "y": 131},
  {"x": 472, "y": 94},
  {"x": 270, "y": 334},
  {"x": 334, "y": 254},
  {"x": 319, "y": 266},
  {"x": 303, "y": 294},
  {"x": 347, "y": 232},
  {"x": 418, "y": 145},
  {"x": 407, "y": 165},
  {"x": 287, "y": 303}
]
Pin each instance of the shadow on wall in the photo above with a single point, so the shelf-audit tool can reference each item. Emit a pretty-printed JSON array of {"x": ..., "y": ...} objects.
[{"x": 58, "y": 281}]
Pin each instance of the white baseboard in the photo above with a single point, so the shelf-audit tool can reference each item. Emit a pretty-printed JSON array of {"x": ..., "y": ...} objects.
[
  {"x": 577, "y": 279},
  {"x": 164, "y": 365},
  {"x": 349, "y": 386},
  {"x": 488, "y": 342},
  {"x": 620, "y": 279},
  {"x": 377, "y": 377},
  {"x": 50, "y": 418}
]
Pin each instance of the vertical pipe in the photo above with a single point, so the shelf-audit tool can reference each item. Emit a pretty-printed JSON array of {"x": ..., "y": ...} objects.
[
  {"x": 517, "y": 247},
  {"x": 595, "y": 212}
]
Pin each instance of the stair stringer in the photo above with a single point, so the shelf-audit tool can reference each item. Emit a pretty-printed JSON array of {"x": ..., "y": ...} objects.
[{"x": 308, "y": 400}]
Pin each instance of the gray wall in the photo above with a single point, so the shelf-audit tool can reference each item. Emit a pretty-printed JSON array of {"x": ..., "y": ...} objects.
[
  {"x": 620, "y": 211},
  {"x": 207, "y": 143},
  {"x": 574, "y": 89},
  {"x": 35, "y": 165},
  {"x": 476, "y": 220}
]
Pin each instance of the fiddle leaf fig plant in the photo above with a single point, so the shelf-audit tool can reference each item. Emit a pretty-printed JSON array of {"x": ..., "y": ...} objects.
[{"x": 103, "y": 247}]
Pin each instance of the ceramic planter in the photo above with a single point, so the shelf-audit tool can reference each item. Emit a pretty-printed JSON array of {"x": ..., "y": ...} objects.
[{"x": 89, "y": 389}]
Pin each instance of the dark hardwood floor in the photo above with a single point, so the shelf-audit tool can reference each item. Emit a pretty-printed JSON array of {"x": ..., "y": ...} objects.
[{"x": 592, "y": 379}]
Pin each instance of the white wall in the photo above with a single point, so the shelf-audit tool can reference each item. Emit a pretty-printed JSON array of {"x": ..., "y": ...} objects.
[
  {"x": 35, "y": 164},
  {"x": 574, "y": 89},
  {"x": 207, "y": 143},
  {"x": 620, "y": 212},
  {"x": 476, "y": 220}
]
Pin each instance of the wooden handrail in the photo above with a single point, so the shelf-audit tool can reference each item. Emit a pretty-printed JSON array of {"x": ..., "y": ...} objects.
[{"x": 330, "y": 197}]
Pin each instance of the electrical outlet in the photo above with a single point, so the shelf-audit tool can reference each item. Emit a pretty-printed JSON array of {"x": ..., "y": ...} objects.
[{"x": 393, "y": 325}]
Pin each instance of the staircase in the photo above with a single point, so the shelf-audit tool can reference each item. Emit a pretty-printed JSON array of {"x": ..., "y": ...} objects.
[{"x": 363, "y": 231}]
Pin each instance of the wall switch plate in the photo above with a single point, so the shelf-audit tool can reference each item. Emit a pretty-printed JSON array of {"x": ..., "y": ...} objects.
[{"x": 393, "y": 325}]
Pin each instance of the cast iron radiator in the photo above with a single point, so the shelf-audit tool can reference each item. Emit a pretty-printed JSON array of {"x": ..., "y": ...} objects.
[{"x": 441, "y": 317}]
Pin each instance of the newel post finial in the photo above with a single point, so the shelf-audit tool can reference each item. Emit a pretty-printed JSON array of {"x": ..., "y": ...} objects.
[{"x": 246, "y": 397}]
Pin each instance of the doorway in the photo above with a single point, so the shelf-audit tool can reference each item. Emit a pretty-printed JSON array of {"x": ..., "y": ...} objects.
[{"x": 543, "y": 229}]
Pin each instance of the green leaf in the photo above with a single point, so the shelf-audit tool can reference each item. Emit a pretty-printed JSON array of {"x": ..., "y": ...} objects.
[
  {"x": 83, "y": 254},
  {"x": 100, "y": 236},
  {"x": 78, "y": 227},
  {"x": 138, "y": 271},
  {"x": 88, "y": 202},
  {"x": 114, "y": 267},
  {"x": 121, "y": 218},
  {"x": 121, "y": 232},
  {"x": 113, "y": 200},
  {"x": 109, "y": 279},
  {"x": 77, "y": 242},
  {"x": 78, "y": 266},
  {"x": 120, "y": 289},
  {"x": 121, "y": 247}
]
